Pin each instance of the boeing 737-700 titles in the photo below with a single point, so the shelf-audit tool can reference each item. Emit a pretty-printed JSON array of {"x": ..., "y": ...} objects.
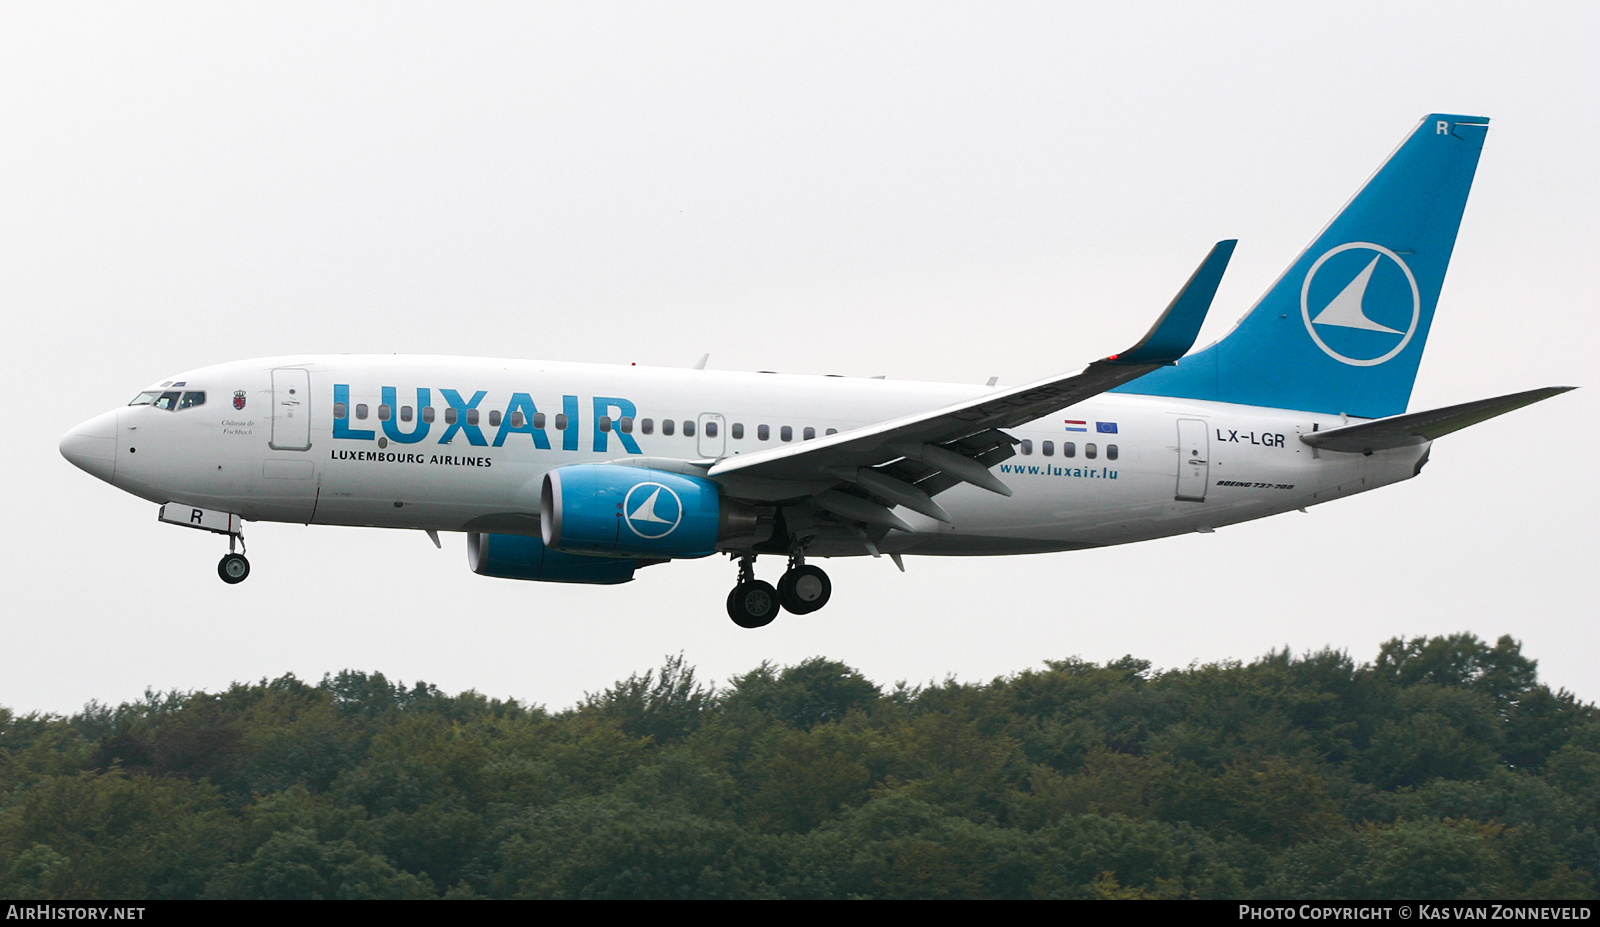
[{"x": 585, "y": 473}]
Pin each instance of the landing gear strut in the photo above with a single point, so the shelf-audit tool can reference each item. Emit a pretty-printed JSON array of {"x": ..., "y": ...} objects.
[
  {"x": 752, "y": 603},
  {"x": 233, "y": 568}
]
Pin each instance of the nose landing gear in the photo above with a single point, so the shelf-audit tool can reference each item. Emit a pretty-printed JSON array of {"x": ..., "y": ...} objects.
[
  {"x": 802, "y": 590},
  {"x": 233, "y": 567}
]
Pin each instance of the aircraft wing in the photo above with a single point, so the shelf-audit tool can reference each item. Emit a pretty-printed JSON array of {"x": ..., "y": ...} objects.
[
  {"x": 931, "y": 451},
  {"x": 1421, "y": 427}
]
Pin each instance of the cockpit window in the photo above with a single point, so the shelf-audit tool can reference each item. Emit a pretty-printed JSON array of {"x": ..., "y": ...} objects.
[{"x": 170, "y": 400}]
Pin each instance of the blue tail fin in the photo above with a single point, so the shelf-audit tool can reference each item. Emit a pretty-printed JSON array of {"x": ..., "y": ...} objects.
[{"x": 1343, "y": 329}]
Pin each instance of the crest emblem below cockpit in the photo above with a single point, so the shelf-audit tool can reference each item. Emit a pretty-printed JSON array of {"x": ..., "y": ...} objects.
[{"x": 238, "y": 399}]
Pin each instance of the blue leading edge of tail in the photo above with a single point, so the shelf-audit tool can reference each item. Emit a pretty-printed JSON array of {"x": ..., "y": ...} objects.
[{"x": 1342, "y": 331}]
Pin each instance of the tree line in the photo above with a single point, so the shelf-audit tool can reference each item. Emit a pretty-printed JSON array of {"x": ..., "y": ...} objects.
[{"x": 1442, "y": 769}]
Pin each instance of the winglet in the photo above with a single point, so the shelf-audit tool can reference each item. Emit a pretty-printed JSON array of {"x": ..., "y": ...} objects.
[{"x": 1174, "y": 333}]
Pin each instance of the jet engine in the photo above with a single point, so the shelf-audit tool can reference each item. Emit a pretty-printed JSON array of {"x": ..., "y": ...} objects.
[
  {"x": 516, "y": 556},
  {"x": 638, "y": 512}
]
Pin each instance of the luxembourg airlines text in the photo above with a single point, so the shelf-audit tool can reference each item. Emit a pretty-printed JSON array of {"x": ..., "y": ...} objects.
[{"x": 447, "y": 460}]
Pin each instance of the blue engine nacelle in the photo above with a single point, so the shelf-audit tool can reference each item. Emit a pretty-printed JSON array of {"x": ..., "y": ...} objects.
[
  {"x": 516, "y": 556},
  {"x": 637, "y": 512}
]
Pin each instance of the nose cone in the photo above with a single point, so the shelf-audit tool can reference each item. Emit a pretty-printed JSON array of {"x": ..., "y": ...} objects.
[{"x": 92, "y": 446}]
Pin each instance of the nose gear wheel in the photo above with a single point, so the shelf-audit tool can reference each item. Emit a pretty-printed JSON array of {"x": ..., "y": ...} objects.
[{"x": 233, "y": 568}]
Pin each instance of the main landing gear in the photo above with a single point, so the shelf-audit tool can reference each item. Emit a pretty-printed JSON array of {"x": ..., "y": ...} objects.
[{"x": 802, "y": 590}]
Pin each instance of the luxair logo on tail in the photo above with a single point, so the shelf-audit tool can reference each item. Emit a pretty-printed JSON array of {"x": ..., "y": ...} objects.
[
  {"x": 652, "y": 510},
  {"x": 1343, "y": 330},
  {"x": 1360, "y": 303}
]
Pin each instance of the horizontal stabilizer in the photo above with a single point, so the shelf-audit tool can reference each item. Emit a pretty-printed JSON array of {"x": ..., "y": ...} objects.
[{"x": 1421, "y": 427}]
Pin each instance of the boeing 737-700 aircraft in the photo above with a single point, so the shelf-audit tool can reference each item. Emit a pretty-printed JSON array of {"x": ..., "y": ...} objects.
[{"x": 585, "y": 473}]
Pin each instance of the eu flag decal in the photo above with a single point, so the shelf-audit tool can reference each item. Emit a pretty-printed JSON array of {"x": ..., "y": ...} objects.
[
  {"x": 1106, "y": 428},
  {"x": 1075, "y": 425}
]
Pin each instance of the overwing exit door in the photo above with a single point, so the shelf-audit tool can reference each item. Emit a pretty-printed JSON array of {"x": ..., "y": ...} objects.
[{"x": 713, "y": 443}]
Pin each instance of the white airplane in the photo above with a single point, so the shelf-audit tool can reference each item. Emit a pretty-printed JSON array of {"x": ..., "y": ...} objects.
[{"x": 584, "y": 473}]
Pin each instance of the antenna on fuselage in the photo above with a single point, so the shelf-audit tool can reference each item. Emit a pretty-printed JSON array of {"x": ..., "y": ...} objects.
[{"x": 701, "y": 363}]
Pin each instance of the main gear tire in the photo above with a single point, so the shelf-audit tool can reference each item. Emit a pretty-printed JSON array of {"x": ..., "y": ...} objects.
[
  {"x": 753, "y": 604},
  {"x": 804, "y": 589}
]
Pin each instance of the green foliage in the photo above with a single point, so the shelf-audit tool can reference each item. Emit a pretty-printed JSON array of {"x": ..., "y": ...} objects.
[
  {"x": 1444, "y": 769},
  {"x": 664, "y": 706}
]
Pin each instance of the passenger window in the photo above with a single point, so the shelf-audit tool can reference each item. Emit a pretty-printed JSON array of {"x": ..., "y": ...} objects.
[
  {"x": 405, "y": 413},
  {"x": 340, "y": 410},
  {"x": 1048, "y": 448},
  {"x": 809, "y": 434},
  {"x": 1111, "y": 452},
  {"x": 688, "y": 428},
  {"x": 538, "y": 420},
  {"x": 738, "y": 430},
  {"x": 561, "y": 421},
  {"x": 832, "y": 431},
  {"x": 763, "y": 433},
  {"x": 472, "y": 416},
  {"x": 1069, "y": 449},
  {"x": 786, "y": 433},
  {"x": 711, "y": 429},
  {"x": 450, "y": 415},
  {"x": 518, "y": 420},
  {"x": 168, "y": 401},
  {"x": 647, "y": 426},
  {"x": 625, "y": 424},
  {"x": 385, "y": 413},
  {"x": 427, "y": 414},
  {"x": 1090, "y": 451},
  {"x": 494, "y": 418},
  {"x": 668, "y": 426},
  {"x": 361, "y": 411},
  {"x": 191, "y": 400},
  {"x": 1027, "y": 447},
  {"x": 605, "y": 423}
]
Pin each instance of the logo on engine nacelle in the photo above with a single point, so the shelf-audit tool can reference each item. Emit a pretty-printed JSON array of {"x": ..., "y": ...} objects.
[{"x": 652, "y": 510}]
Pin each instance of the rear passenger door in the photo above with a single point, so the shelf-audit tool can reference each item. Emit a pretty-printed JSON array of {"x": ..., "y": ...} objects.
[{"x": 1194, "y": 460}]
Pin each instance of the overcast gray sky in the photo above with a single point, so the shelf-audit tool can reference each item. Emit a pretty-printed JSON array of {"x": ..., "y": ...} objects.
[{"x": 924, "y": 190}]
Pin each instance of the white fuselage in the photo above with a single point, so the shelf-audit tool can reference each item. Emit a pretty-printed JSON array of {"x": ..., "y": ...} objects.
[{"x": 257, "y": 449}]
